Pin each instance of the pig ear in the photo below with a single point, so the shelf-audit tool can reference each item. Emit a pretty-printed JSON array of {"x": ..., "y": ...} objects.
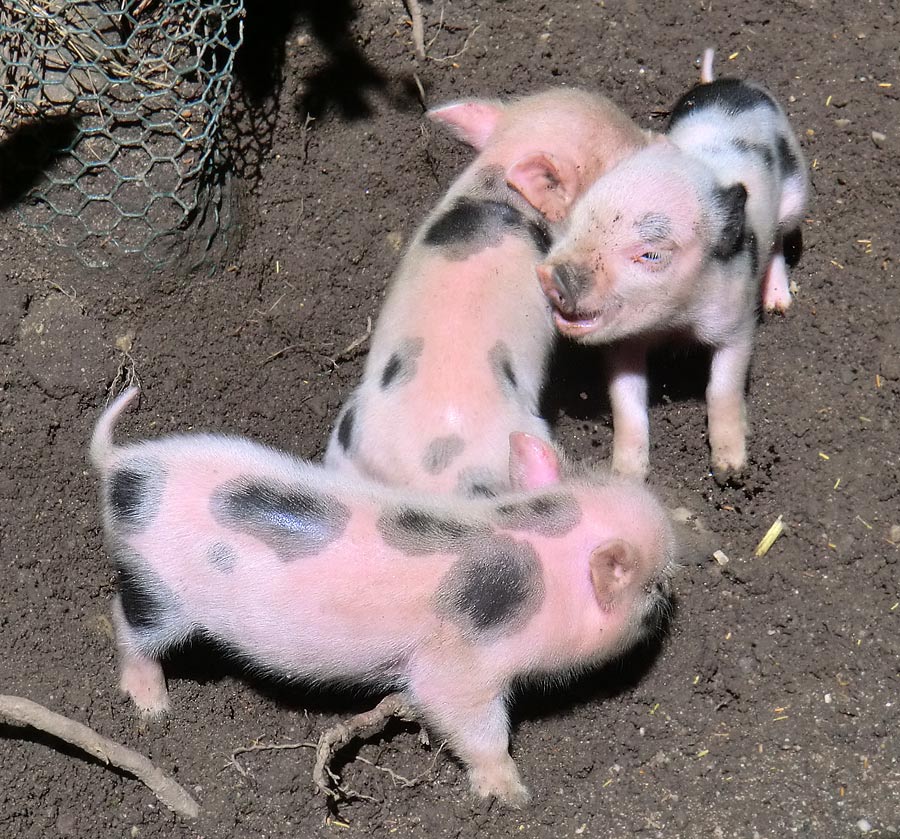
[
  {"x": 613, "y": 566},
  {"x": 533, "y": 462},
  {"x": 732, "y": 202},
  {"x": 472, "y": 121},
  {"x": 548, "y": 184}
]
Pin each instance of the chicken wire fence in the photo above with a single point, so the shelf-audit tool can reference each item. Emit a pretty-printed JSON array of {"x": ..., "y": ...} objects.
[{"x": 136, "y": 89}]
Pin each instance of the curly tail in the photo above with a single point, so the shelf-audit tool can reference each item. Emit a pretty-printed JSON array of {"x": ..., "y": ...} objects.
[
  {"x": 706, "y": 66},
  {"x": 101, "y": 442}
]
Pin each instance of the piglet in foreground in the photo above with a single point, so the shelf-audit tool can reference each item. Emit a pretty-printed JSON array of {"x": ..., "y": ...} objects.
[
  {"x": 309, "y": 576},
  {"x": 679, "y": 239},
  {"x": 458, "y": 357}
]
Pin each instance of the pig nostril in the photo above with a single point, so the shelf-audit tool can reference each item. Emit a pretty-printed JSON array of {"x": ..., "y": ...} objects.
[{"x": 563, "y": 282}]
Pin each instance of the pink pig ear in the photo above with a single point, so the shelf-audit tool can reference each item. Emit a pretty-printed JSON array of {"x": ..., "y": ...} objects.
[
  {"x": 612, "y": 569},
  {"x": 548, "y": 184},
  {"x": 472, "y": 121},
  {"x": 533, "y": 463}
]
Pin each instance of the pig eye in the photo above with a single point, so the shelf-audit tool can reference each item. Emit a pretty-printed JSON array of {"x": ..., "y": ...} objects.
[{"x": 652, "y": 259}]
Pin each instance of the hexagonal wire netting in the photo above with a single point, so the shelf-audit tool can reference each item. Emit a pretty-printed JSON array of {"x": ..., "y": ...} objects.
[{"x": 143, "y": 84}]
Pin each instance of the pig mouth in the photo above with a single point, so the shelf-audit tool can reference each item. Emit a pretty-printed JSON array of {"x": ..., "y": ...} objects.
[{"x": 583, "y": 321}]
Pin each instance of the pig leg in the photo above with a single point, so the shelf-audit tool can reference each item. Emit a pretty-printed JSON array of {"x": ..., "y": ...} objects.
[
  {"x": 628, "y": 399},
  {"x": 473, "y": 715},
  {"x": 776, "y": 292},
  {"x": 726, "y": 409},
  {"x": 140, "y": 676}
]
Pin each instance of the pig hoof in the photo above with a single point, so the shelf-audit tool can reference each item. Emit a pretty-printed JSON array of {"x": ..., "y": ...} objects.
[
  {"x": 507, "y": 789},
  {"x": 727, "y": 475},
  {"x": 148, "y": 694},
  {"x": 635, "y": 468},
  {"x": 777, "y": 307}
]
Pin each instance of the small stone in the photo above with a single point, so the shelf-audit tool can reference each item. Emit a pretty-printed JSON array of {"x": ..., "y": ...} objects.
[
  {"x": 890, "y": 365},
  {"x": 864, "y": 825},
  {"x": 895, "y": 534},
  {"x": 12, "y": 310},
  {"x": 878, "y": 138},
  {"x": 842, "y": 122}
]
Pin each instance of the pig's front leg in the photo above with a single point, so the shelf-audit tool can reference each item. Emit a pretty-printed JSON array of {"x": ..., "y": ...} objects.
[
  {"x": 476, "y": 722},
  {"x": 628, "y": 400},
  {"x": 726, "y": 407}
]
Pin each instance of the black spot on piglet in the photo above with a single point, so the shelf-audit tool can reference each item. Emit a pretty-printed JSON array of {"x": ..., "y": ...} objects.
[
  {"x": 417, "y": 532},
  {"x": 732, "y": 202},
  {"x": 133, "y": 492},
  {"x": 146, "y": 601},
  {"x": 292, "y": 520},
  {"x": 552, "y": 514},
  {"x": 732, "y": 96},
  {"x": 345, "y": 428},
  {"x": 787, "y": 160},
  {"x": 495, "y": 587}
]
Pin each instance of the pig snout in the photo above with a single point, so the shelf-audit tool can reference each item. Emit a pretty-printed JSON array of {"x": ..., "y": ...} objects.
[{"x": 563, "y": 286}]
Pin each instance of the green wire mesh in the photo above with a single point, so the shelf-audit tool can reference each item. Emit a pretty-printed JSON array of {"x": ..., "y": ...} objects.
[{"x": 142, "y": 85}]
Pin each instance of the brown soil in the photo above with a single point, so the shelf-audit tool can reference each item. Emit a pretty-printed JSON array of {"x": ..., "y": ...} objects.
[{"x": 772, "y": 708}]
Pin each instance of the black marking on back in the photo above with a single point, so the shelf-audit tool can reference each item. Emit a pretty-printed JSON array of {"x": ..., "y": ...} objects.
[
  {"x": 732, "y": 202},
  {"x": 761, "y": 150},
  {"x": 401, "y": 366},
  {"x": 787, "y": 160},
  {"x": 500, "y": 360},
  {"x": 147, "y": 603},
  {"x": 133, "y": 492},
  {"x": 345, "y": 428},
  {"x": 477, "y": 482},
  {"x": 222, "y": 557},
  {"x": 471, "y": 224},
  {"x": 416, "y": 532},
  {"x": 441, "y": 452},
  {"x": 733, "y": 96},
  {"x": 292, "y": 520},
  {"x": 540, "y": 235},
  {"x": 549, "y": 514},
  {"x": 390, "y": 370},
  {"x": 495, "y": 587}
]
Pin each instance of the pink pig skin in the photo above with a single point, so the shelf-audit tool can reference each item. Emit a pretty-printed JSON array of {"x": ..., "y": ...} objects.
[
  {"x": 684, "y": 238},
  {"x": 338, "y": 599},
  {"x": 467, "y": 325}
]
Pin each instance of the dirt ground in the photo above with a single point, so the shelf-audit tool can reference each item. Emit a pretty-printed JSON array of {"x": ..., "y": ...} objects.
[{"x": 772, "y": 707}]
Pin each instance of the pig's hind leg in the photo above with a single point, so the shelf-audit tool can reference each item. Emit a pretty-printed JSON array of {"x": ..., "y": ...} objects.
[
  {"x": 474, "y": 718},
  {"x": 776, "y": 292},
  {"x": 140, "y": 676}
]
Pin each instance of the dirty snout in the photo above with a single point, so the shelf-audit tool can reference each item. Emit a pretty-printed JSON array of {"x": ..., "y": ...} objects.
[{"x": 564, "y": 286}]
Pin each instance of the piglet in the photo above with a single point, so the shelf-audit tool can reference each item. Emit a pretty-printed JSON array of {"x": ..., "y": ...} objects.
[
  {"x": 459, "y": 353},
  {"x": 679, "y": 239},
  {"x": 308, "y": 575}
]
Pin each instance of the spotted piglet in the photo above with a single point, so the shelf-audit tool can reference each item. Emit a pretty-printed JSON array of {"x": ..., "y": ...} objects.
[
  {"x": 681, "y": 238},
  {"x": 309, "y": 575},
  {"x": 458, "y": 356}
]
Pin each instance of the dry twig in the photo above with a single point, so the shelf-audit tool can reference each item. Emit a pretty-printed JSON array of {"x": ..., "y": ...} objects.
[
  {"x": 418, "y": 26},
  {"x": 173, "y": 795},
  {"x": 361, "y": 725}
]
